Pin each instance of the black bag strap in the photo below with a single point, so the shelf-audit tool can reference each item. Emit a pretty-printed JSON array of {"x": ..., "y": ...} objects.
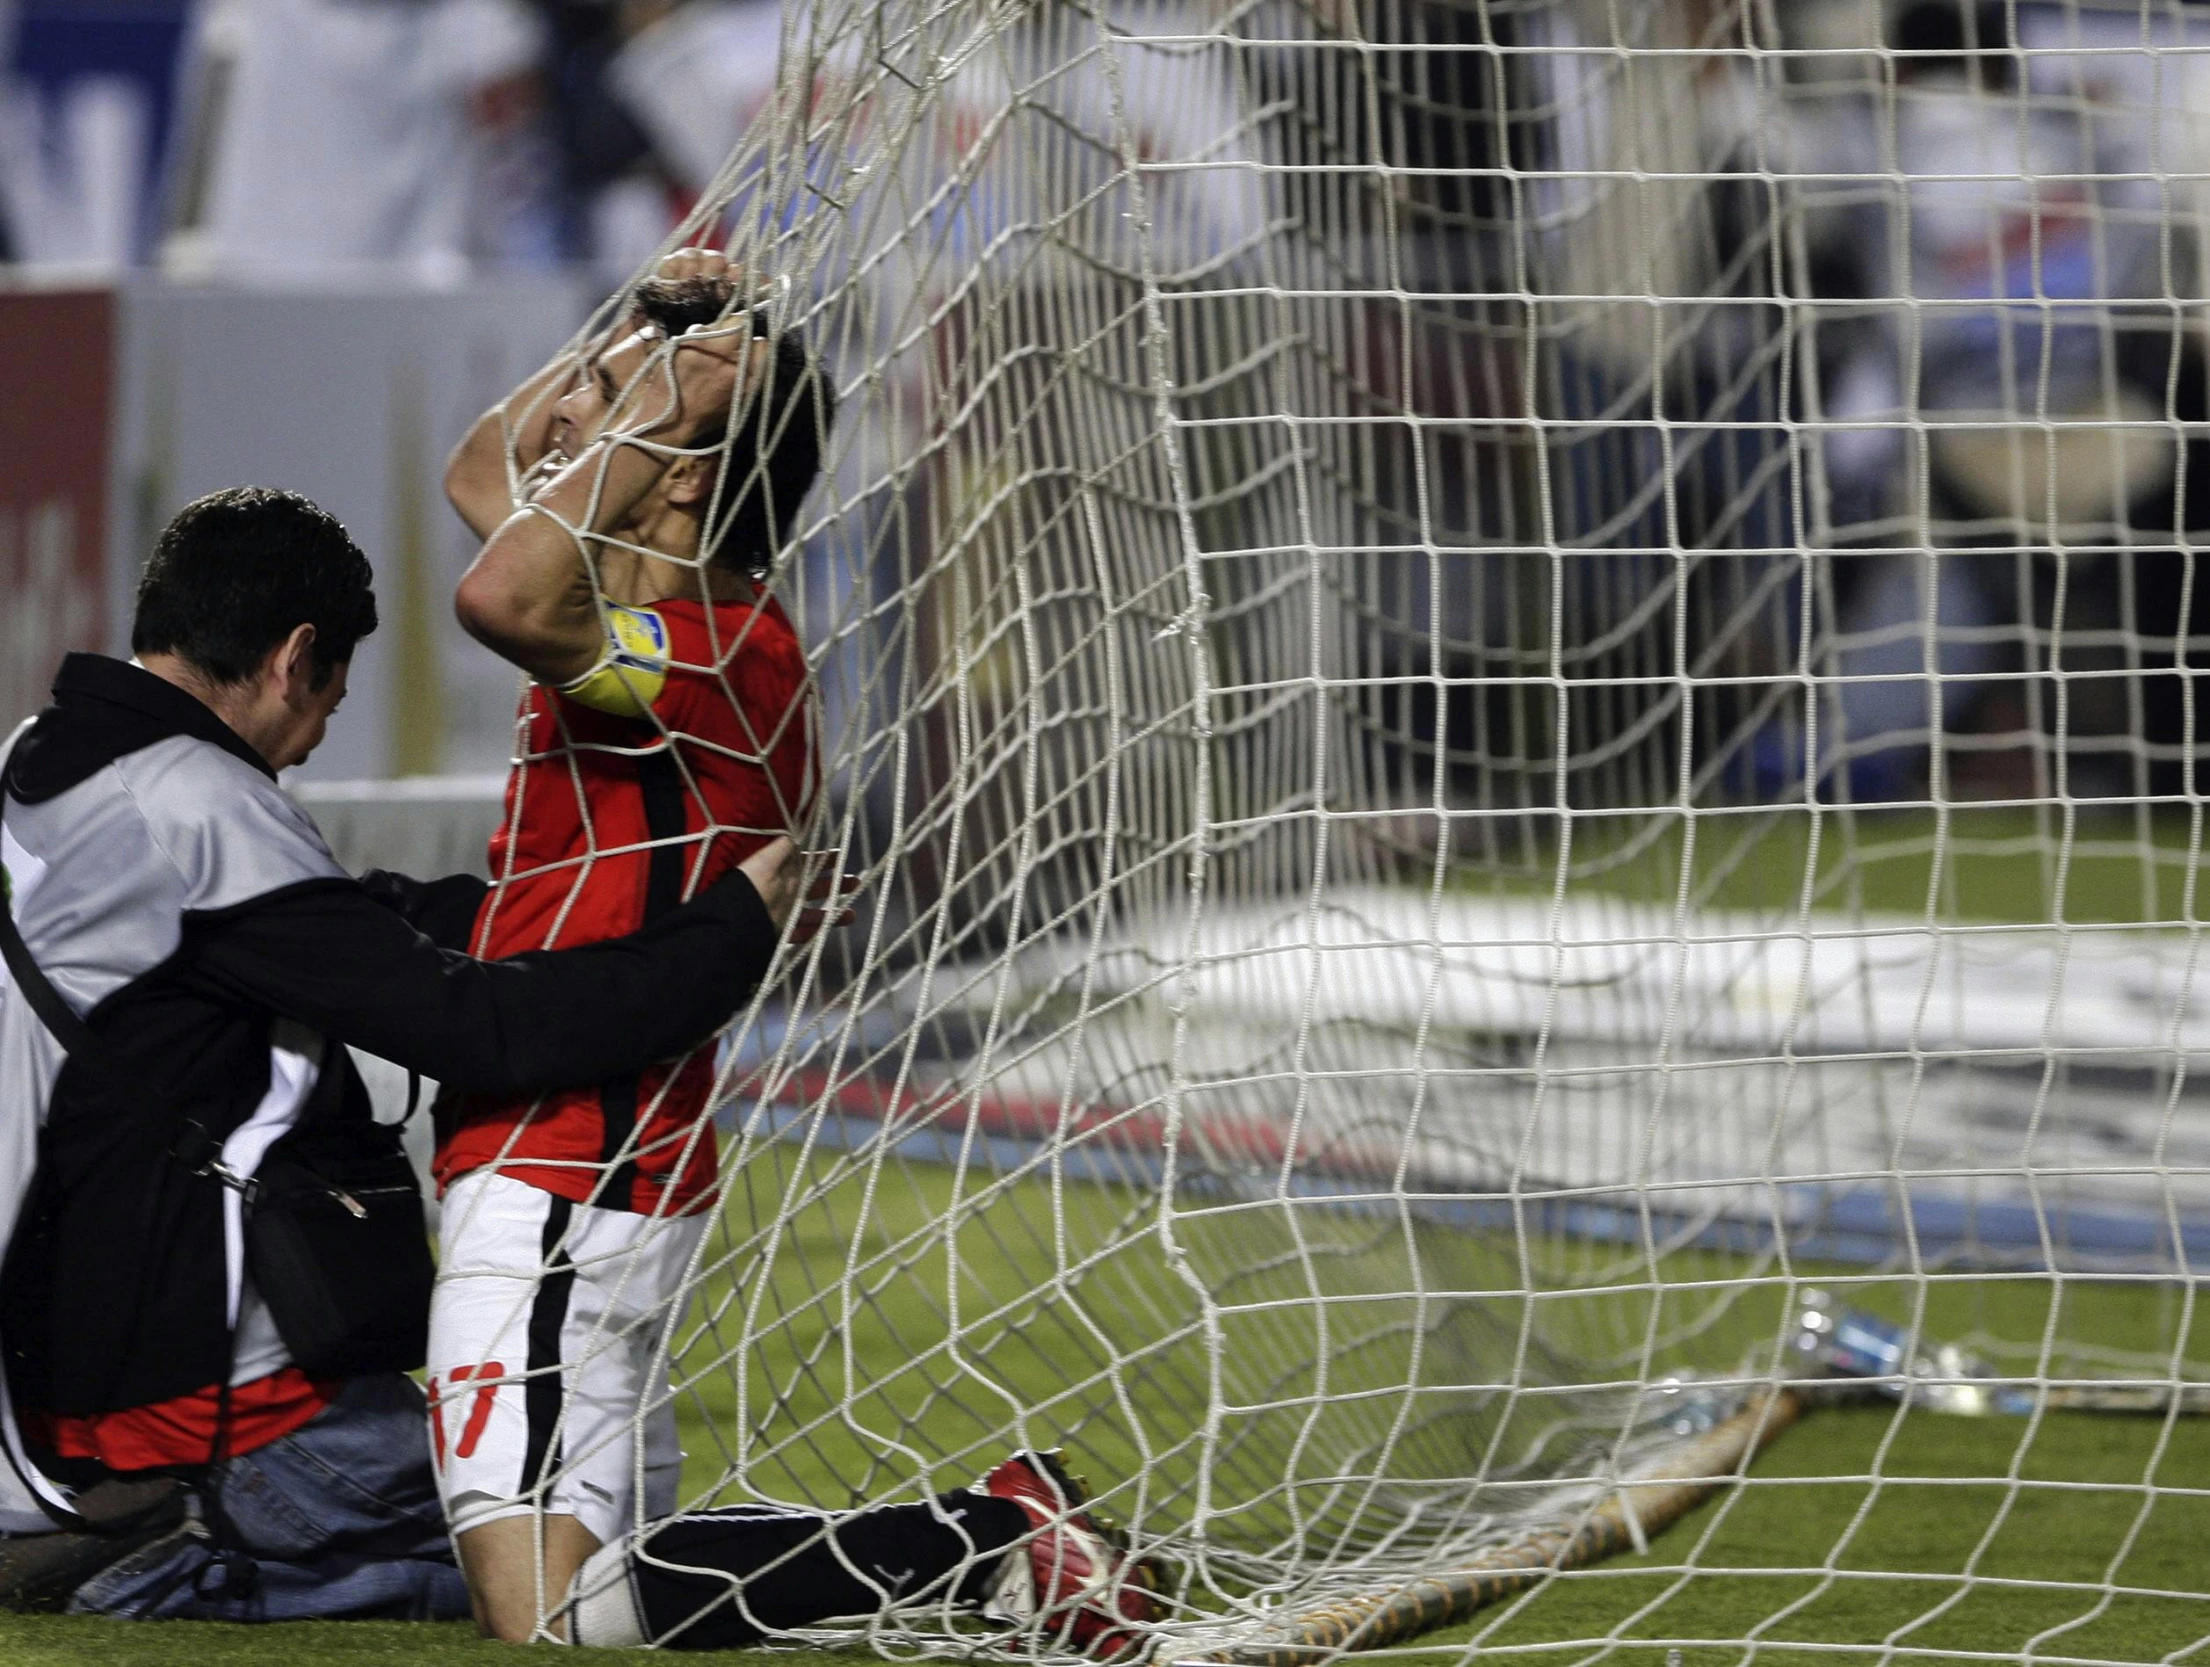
[
  {"x": 77, "y": 1041},
  {"x": 199, "y": 1151},
  {"x": 74, "y": 1035}
]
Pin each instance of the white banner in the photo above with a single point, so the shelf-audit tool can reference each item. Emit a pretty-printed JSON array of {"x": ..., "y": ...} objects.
[{"x": 353, "y": 397}]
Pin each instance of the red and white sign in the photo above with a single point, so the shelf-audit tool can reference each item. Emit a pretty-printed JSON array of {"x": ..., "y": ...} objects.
[{"x": 59, "y": 347}]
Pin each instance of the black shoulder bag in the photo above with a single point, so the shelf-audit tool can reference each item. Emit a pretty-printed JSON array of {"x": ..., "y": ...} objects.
[
  {"x": 336, "y": 1240},
  {"x": 335, "y": 1234}
]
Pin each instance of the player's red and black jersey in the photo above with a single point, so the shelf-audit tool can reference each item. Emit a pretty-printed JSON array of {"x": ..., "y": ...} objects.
[{"x": 611, "y": 822}]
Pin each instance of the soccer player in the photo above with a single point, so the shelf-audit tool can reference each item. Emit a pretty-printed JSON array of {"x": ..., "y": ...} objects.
[{"x": 664, "y": 738}]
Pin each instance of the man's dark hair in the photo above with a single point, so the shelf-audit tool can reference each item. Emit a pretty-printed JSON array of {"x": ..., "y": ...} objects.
[
  {"x": 756, "y": 496},
  {"x": 239, "y": 570}
]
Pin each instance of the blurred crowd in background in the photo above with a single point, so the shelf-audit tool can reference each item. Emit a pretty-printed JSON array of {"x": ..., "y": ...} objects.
[
  {"x": 2011, "y": 347},
  {"x": 1957, "y": 241},
  {"x": 304, "y": 139}
]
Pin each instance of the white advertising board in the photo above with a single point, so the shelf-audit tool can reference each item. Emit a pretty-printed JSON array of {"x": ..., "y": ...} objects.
[{"x": 354, "y": 397}]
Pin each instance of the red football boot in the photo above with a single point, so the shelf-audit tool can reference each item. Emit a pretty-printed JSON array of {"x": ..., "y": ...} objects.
[{"x": 1076, "y": 1583}]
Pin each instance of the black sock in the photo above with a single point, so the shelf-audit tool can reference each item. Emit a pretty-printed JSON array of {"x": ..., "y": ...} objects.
[{"x": 793, "y": 1568}]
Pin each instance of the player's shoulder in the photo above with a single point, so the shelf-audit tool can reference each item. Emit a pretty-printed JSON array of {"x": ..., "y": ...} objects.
[
  {"x": 710, "y": 636},
  {"x": 736, "y": 667}
]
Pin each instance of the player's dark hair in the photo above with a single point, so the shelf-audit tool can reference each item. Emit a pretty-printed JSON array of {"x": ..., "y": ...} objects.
[
  {"x": 756, "y": 497},
  {"x": 774, "y": 456},
  {"x": 677, "y": 304},
  {"x": 239, "y": 570}
]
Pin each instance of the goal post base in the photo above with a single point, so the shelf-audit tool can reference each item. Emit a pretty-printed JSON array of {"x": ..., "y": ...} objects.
[{"x": 1623, "y": 1522}]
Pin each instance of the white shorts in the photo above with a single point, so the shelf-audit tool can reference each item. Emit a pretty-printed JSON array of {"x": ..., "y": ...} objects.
[{"x": 546, "y": 1388}]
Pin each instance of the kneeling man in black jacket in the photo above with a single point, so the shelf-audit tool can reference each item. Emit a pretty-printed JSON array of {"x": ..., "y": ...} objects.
[{"x": 209, "y": 1302}]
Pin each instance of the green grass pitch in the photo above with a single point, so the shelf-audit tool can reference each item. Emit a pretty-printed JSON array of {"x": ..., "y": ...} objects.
[
  {"x": 1868, "y": 1533},
  {"x": 1981, "y": 1581}
]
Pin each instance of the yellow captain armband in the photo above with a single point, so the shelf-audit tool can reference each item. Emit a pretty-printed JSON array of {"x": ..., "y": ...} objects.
[{"x": 634, "y": 668}]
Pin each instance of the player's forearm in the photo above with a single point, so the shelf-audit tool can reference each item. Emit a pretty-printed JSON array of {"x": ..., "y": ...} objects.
[
  {"x": 483, "y": 476},
  {"x": 476, "y": 480},
  {"x": 596, "y": 492},
  {"x": 529, "y": 600},
  {"x": 506, "y": 442},
  {"x": 529, "y": 596}
]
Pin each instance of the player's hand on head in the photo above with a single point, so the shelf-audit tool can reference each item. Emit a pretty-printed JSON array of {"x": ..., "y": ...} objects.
[
  {"x": 694, "y": 262},
  {"x": 712, "y": 266},
  {"x": 733, "y": 282}
]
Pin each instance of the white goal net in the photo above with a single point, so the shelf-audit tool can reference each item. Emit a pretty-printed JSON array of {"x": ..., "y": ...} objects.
[{"x": 1514, "y": 680}]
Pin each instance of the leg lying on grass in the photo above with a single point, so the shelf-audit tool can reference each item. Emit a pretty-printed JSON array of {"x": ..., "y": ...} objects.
[{"x": 1021, "y": 1547}]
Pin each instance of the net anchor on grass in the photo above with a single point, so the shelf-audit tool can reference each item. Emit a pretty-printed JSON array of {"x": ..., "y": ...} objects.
[{"x": 1626, "y": 1520}]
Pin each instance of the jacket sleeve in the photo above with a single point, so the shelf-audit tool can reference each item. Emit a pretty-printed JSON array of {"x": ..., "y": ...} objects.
[
  {"x": 329, "y": 955},
  {"x": 444, "y": 911}
]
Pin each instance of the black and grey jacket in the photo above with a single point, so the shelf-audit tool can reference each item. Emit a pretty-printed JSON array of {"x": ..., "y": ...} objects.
[{"x": 190, "y": 911}]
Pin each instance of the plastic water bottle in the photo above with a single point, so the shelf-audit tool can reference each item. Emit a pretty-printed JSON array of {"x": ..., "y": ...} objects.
[{"x": 1834, "y": 1340}]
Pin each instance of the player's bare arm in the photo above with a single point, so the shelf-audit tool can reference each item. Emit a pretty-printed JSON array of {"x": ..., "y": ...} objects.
[
  {"x": 489, "y": 471},
  {"x": 645, "y": 484}
]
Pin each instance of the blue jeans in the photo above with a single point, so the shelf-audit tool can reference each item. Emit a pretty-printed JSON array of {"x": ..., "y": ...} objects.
[{"x": 339, "y": 1519}]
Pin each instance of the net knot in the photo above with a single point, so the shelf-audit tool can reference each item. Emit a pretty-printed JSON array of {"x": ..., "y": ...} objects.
[{"x": 1190, "y": 622}]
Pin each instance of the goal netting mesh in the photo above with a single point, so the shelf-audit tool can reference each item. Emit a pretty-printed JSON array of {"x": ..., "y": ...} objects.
[{"x": 1514, "y": 683}]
